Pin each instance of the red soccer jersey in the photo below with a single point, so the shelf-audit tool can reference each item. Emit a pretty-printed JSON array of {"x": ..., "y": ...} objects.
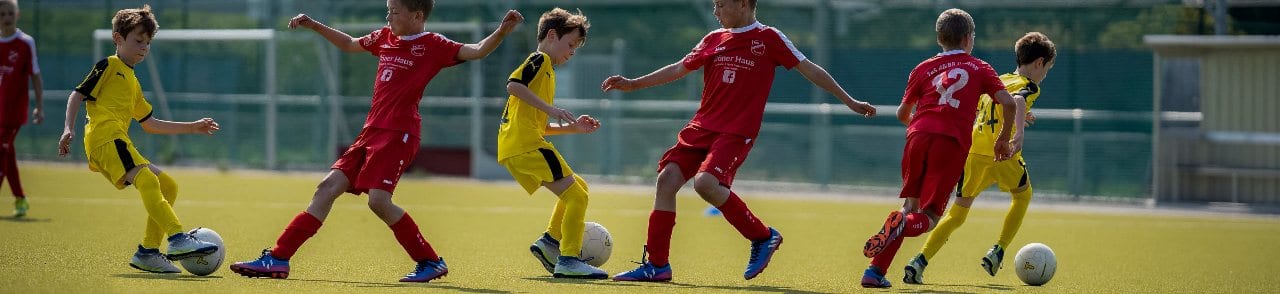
[
  {"x": 738, "y": 67},
  {"x": 945, "y": 90},
  {"x": 17, "y": 64},
  {"x": 405, "y": 65}
]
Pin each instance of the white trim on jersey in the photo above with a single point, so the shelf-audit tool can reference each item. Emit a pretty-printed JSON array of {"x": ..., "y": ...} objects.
[
  {"x": 746, "y": 28},
  {"x": 952, "y": 52},
  {"x": 799, "y": 56},
  {"x": 415, "y": 36}
]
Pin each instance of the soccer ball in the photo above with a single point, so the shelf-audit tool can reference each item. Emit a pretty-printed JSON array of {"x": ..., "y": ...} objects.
[
  {"x": 1035, "y": 264},
  {"x": 205, "y": 265},
  {"x": 596, "y": 245}
]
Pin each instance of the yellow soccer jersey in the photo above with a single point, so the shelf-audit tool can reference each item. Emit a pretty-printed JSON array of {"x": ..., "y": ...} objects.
[
  {"x": 987, "y": 127},
  {"x": 113, "y": 98},
  {"x": 523, "y": 125}
]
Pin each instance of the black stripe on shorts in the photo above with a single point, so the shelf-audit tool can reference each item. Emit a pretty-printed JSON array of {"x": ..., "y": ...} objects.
[
  {"x": 126, "y": 158},
  {"x": 553, "y": 162}
]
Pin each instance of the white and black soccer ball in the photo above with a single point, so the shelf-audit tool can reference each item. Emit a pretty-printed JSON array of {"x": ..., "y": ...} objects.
[
  {"x": 1035, "y": 264},
  {"x": 205, "y": 265},
  {"x": 597, "y": 245}
]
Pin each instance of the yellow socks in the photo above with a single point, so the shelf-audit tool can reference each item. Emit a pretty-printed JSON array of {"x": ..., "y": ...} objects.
[
  {"x": 955, "y": 217},
  {"x": 1013, "y": 220},
  {"x": 574, "y": 200},
  {"x": 161, "y": 220}
]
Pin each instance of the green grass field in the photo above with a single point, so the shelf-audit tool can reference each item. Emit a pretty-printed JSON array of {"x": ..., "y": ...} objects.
[{"x": 80, "y": 233}]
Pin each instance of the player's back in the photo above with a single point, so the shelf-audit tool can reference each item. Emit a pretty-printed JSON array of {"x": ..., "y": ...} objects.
[
  {"x": 945, "y": 90},
  {"x": 987, "y": 126}
]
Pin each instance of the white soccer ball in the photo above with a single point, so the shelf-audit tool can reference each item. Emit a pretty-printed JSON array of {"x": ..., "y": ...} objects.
[
  {"x": 1035, "y": 264},
  {"x": 597, "y": 245},
  {"x": 205, "y": 265}
]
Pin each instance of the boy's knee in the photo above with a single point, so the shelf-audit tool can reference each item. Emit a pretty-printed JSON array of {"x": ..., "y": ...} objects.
[{"x": 705, "y": 183}]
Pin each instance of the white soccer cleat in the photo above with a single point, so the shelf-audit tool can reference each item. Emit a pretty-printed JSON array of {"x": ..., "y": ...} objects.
[{"x": 150, "y": 260}]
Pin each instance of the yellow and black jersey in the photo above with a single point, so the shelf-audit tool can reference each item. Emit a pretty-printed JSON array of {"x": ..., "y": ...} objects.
[
  {"x": 523, "y": 125},
  {"x": 986, "y": 128},
  {"x": 113, "y": 98}
]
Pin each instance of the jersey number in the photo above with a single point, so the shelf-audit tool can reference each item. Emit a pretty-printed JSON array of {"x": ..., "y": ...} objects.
[
  {"x": 947, "y": 96},
  {"x": 386, "y": 75},
  {"x": 729, "y": 76}
]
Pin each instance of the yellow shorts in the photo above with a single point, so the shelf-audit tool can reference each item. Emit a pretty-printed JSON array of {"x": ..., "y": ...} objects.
[
  {"x": 534, "y": 168},
  {"x": 114, "y": 160},
  {"x": 980, "y": 171}
]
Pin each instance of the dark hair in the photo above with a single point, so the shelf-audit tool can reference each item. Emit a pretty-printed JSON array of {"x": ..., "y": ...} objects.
[
  {"x": 954, "y": 25},
  {"x": 1034, "y": 45},
  {"x": 419, "y": 5},
  {"x": 750, "y": 3},
  {"x": 563, "y": 22},
  {"x": 128, "y": 19}
]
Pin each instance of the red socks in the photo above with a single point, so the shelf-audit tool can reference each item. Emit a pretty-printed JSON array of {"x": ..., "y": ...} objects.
[
  {"x": 661, "y": 223},
  {"x": 298, "y": 231},
  {"x": 410, "y": 238},
  {"x": 917, "y": 224},
  {"x": 741, "y": 218}
]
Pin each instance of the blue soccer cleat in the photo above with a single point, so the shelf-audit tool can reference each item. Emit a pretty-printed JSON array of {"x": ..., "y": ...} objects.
[
  {"x": 871, "y": 278},
  {"x": 761, "y": 253},
  {"x": 427, "y": 270},
  {"x": 892, "y": 229},
  {"x": 184, "y": 245},
  {"x": 150, "y": 260},
  {"x": 991, "y": 262},
  {"x": 20, "y": 207},
  {"x": 914, "y": 272},
  {"x": 266, "y": 266},
  {"x": 647, "y": 272},
  {"x": 547, "y": 251},
  {"x": 574, "y": 268}
]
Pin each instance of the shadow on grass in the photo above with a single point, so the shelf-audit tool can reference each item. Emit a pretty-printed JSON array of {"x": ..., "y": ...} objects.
[
  {"x": 433, "y": 285},
  {"x": 670, "y": 285},
  {"x": 10, "y": 218},
  {"x": 988, "y": 288},
  {"x": 171, "y": 277}
]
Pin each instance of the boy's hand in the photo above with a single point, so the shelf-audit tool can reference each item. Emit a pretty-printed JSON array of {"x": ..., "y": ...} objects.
[
  {"x": 510, "y": 21},
  {"x": 586, "y": 124},
  {"x": 1030, "y": 118},
  {"x": 64, "y": 144},
  {"x": 1004, "y": 149},
  {"x": 864, "y": 108},
  {"x": 301, "y": 20},
  {"x": 619, "y": 83},
  {"x": 561, "y": 115},
  {"x": 37, "y": 116},
  {"x": 205, "y": 126}
]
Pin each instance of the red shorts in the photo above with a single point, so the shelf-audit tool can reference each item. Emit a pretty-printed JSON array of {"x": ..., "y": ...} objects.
[
  {"x": 931, "y": 167},
  {"x": 376, "y": 159},
  {"x": 702, "y": 150}
]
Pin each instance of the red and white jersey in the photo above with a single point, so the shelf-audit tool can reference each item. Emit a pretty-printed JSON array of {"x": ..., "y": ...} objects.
[
  {"x": 17, "y": 64},
  {"x": 738, "y": 67},
  {"x": 405, "y": 65},
  {"x": 945, "y": 90}
]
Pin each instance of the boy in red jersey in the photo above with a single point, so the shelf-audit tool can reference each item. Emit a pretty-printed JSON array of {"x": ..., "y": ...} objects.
[
  {"x": 19, "y": 67},
  {"x": 738, "y": 62},
  {"x": 938, "y": 107},
  {"x": 408, "y": 58}
]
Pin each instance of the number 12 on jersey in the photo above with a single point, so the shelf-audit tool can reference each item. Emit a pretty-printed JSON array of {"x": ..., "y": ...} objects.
[{"x": 959, "y": 77}]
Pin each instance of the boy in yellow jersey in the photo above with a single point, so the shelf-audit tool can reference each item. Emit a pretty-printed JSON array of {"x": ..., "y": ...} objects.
[
  {"x": 1035, "y": 53},
  {"x": 113, "y": 98},
  {"x": 534, "y": 162}
]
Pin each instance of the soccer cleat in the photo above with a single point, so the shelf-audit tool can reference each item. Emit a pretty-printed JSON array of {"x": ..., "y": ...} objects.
[
  {"x": 427, "y": 270},
  {"x": 647, "y": 272},
  {"x": 547, "y": 251},
  {"x": 892, "y": 229},
  {"x": 266, "y": 266},
  {"x": 20, "y": 207},
  {"x": 761, "y": 253},
  {"x": 184, "y": 245},
  {"x": 914, "y": 272},
  {"x": 150, "y": 260},
  {"x": 572, "y": 267},
  {"x": 871, "y": 278},
  {"x": 991, "y": 262}
]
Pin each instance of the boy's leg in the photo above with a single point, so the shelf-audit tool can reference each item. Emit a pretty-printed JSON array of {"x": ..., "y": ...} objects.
[
  {"x": 158, "y": 209},
  {"x": 954, "y": 219},
  {"x": 731, "y": 206},
  {"x": 662, "y": 221},
  {"x": 573, "y": 198},
  {"x": 168, "y": 188},
  {"x": 308, "y": 222},
  {"x": 402, "y": 225},
  {"x": 9, "y": 161},
  {"x": 1013, "y": 219}
]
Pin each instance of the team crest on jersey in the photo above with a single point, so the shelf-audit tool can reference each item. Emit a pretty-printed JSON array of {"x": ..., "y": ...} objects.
[
  {"x": 757, "y": 47},
  {"x": 418, "y": 50},
  {"x": 13, "y": 56}
]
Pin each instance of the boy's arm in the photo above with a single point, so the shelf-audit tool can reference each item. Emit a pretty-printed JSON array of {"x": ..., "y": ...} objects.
[
  {"x": 486, "y": 46},
  {"x": 69, "y": 127},
  {"x": 821, "y": 78},
  {"x": 904, "y": 112},
  {"x": 1015, "y": 108},
  {"x": 663, "y": 75},
  {"x": 525, "y": 94},
  {"x": 584, "y": 124},
  {"x": 163, "y": 127},
  {"x": 37, "y": 115},
  {"x": 339, "y": 39}
]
